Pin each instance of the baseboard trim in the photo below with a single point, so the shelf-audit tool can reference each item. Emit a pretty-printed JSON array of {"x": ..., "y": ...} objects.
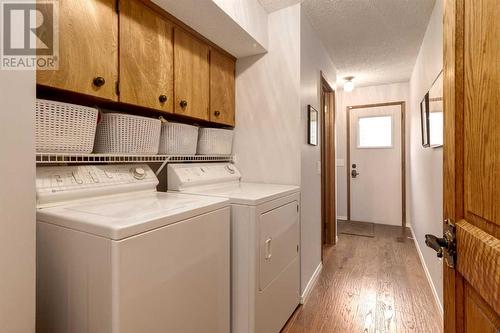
[
  {"x": 342, "y": 218},
  {"x": 427, "y": 275},
  {"x": 311, "y": 283}
]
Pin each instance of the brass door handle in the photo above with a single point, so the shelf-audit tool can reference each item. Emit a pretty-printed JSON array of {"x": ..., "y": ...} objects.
[
  {"x": 446, "y": 246},
  {"x": 436, "y": 243}
]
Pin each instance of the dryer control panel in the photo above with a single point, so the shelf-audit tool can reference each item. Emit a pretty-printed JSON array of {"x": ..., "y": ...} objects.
[
  {"x": 181, "y": 176},
  {"x": 58, "y": 184}
]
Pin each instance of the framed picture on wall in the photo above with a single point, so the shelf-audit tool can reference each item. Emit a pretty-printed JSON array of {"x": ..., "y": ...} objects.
[
  {"x": 435, "y": 113},
  {"x": 312, "y": 129},
  {"x": 424, "y": 120}
]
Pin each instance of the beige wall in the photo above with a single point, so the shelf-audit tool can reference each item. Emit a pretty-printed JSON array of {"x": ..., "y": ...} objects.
[
  {"x": 17, "y": 202},
  {"x": 427, "y": 163},
  {"x": 314, "y": 59},
  {"x": 267, "y": 139},
  {"x": 250, "y": 15}
]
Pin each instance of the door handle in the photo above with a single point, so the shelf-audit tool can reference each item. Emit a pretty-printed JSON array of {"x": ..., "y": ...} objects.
[
  {"x": 436, "y": 243},
  {"x": 354, "y": 173},
  {"x": 269, "y": 253},
  {"x": 446, "y": 246}
]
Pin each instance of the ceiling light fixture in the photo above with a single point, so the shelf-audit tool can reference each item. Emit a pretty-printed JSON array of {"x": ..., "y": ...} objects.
[{"x": 348, "y": 84}]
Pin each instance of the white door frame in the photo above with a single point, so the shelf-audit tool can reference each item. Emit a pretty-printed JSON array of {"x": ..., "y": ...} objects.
[{"x": 403, "y": 153}]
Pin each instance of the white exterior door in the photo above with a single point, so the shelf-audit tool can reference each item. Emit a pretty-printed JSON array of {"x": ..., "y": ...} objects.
[{"x": 376, "y": 164}]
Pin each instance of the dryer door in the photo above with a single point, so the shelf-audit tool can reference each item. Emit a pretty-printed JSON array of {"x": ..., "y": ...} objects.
[{"x": 278, "y": 243}]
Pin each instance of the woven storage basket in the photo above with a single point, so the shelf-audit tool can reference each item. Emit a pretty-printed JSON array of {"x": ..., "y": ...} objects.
[
  {"x": 64, "y": 128},
  {"x": 178, "y": 139},
  {"x": 119, "y": 133},
  {"x": 215, "y": 141}
]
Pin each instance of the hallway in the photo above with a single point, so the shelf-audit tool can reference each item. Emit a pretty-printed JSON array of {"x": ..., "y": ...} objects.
[{"x": 370, "y": 285}]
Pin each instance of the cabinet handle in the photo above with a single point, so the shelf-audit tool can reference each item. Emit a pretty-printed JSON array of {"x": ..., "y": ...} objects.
[
  {"x": 217, "y": 113},
  {"x": 99, "y": 81},
  {"x": 163, "y": 98},
  {"x": 184, "y": 103}
]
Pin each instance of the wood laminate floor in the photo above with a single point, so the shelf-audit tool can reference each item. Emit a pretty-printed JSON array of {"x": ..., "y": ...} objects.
[{"x": 370, "y": 285}]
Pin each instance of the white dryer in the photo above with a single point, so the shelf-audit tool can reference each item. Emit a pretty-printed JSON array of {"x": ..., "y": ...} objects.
[
  {"x": 114, "y": 255},
  {"x": 265, "y": 272}
]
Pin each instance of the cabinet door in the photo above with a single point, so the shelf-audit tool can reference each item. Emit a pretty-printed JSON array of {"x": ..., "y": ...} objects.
[
  {"x": 191, "y": 72},
  {"x": 88, "y": 44},
  {"x": 146, "y": 57},
  {"x": 222, "y": 88}
]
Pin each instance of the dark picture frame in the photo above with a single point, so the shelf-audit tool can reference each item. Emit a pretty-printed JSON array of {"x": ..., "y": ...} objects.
[
  {"x": 424, "y": 120},
  {"x": 312, "y": 125}
]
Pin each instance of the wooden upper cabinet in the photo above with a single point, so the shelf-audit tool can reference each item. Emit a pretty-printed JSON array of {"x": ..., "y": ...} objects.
[
  {"x": 146, "y": 57},
  {"x": 88, "y": 45},
  {"x": 222, "y": 88},
  {"x": 191, "y": 73}
]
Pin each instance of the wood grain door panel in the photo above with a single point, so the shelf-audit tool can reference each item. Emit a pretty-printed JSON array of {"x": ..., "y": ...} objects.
[
  {"x": 191, "y": 76},
  {"x": 472, "y": 163},
  {"x": 222, "y": 89},
  {"x": 88, "y": 48},
  {"x": 146, "y": 57},
  {"x": 482, "y": 116}
]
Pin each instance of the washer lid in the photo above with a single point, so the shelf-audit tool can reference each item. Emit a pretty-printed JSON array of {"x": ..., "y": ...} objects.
[
  {"x": 245, "y": 193},
  {"x": 121, "y": 216}
]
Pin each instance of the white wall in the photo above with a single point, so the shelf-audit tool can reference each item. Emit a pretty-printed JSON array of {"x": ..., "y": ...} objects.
[
  {"x": 250, "y": 15},
  {"x": 427, "y": 163},
  {"x": 238, "y": 26},
  {"x": 17, "y": 202},
  {"x": 267, "y": 139},
  {"x": 314, "y": 59},
  {"x": 359, "y": 96}
]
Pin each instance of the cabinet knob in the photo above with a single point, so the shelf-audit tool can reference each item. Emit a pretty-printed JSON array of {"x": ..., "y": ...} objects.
[
  {"x": 183, "y": 103},
  {"x": 217, "y": 113},
  {"x": 163, "y": 98},
  {"x": 99, "y": 81}
]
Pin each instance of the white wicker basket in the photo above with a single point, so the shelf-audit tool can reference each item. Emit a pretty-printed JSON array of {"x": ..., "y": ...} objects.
[
  {"x": 215, "y": 141},
  {"x": 64, "y": 128},
  {"x": 178, "y": 139},
  {"x": 119, "y": 133}
]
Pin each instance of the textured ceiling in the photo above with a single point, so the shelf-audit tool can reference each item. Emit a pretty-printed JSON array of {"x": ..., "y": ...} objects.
[
  {"x": 273, "y": 5},
  {"x": 376, "y": 41}
]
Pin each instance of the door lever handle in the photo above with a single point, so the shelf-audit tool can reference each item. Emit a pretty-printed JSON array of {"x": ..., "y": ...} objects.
[
  {"x": 435, "y": 243},
  {"x": 354, "y": 173},
  {"x": 446, "y": 246}
]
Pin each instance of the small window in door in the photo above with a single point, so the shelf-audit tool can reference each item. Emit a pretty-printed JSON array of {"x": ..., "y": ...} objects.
[{"x": 375, "y": 132}]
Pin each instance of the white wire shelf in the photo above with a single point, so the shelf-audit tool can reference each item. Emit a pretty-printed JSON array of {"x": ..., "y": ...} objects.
[{"x": 61, "y": 158}]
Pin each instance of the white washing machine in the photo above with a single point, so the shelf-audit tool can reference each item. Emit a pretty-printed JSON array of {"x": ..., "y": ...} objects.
[
  {"x": 114, "y": 255},
  {"x": 265, "y": 272}
]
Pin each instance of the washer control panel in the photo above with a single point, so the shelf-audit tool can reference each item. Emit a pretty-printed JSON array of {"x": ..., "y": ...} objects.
[
  {"x": 73, "y": 182},
  {"x": 195, "y": 174}
]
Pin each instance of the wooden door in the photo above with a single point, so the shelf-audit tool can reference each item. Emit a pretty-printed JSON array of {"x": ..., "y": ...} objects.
[
  {"x": 472, "y": 164},
  {"x": 88, "y": 44},
  {"x": 222, "y": 88},
  {"x": 328, "y": 186},
  {"x": 191, "y": 73},
  {"x": 146, "y": 57}
]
